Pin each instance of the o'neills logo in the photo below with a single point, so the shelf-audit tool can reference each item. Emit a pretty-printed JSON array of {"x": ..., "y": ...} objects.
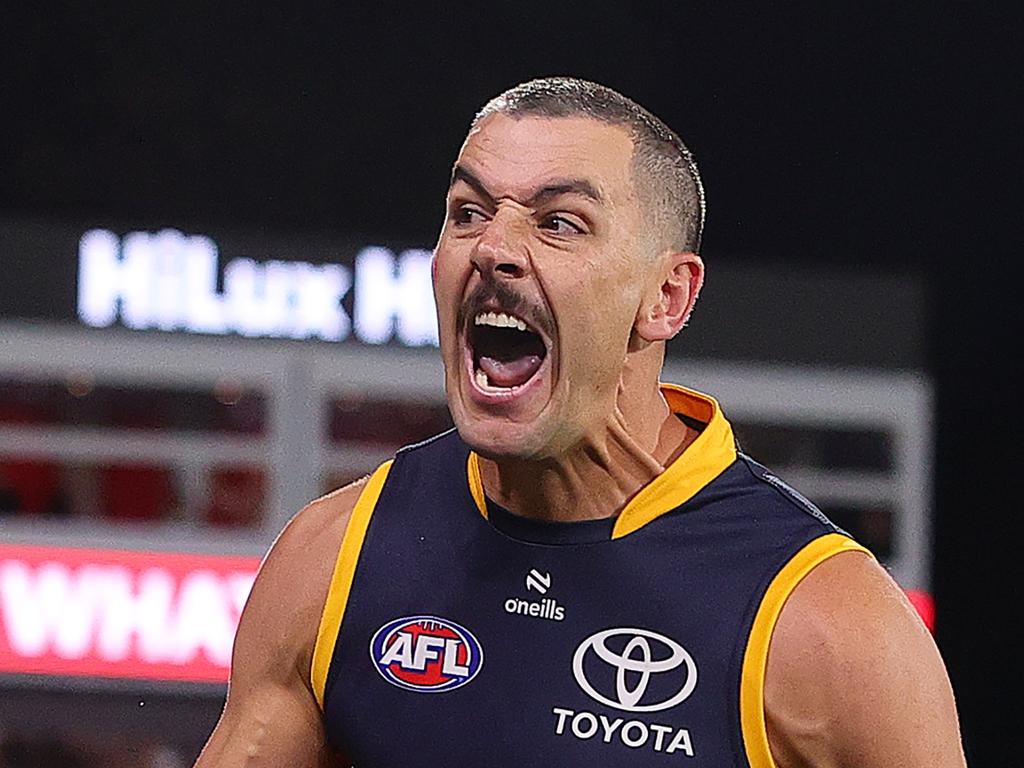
[{"x": 548, "y": 608}]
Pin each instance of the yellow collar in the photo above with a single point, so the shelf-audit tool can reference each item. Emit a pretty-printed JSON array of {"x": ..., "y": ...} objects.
[{"x": 705, "y": 458}]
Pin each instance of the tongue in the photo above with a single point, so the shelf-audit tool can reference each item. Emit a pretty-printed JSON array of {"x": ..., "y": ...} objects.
[{"x": 510, "y": 373}]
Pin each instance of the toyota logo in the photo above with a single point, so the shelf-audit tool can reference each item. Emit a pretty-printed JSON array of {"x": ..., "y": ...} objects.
[{"x": 636, "y": 656}]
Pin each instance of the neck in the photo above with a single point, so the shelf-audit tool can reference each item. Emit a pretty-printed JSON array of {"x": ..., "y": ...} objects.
[{"x": 598, "y": 476}]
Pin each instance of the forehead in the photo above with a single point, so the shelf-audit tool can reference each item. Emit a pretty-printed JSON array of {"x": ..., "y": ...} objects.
[{"x": 515, "y": 155}]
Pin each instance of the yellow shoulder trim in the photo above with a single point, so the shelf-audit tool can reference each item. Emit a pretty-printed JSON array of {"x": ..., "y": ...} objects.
[
  {"x": 476, "y": 484},
  {"x": 704, "y": 460},
  {"x": 341, "y": 580},
  {"x": 755, "y": 660}
]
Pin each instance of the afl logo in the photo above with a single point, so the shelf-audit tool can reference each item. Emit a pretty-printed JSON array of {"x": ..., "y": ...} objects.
[
  {"x": 639, "y": 678},
  {"x": 426, "y": 654}
]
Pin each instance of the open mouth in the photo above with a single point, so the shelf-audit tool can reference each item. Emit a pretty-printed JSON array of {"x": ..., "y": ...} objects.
[{"x": 506, "y": 352}]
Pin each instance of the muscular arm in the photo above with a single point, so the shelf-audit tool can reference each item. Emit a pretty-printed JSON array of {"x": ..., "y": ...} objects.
[
  {"x": 271, "y": 717},
  {"x": 854, "y": 679}
]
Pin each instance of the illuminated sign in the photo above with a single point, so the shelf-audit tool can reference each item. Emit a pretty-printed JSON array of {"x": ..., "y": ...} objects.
[
  {"x": 924, "y": 604},
  {"x": 109, "y": 613},
  {"x": 168, "y": 281}
]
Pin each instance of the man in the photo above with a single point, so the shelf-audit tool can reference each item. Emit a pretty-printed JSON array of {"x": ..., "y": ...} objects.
[{"x": 587, "y": 572}]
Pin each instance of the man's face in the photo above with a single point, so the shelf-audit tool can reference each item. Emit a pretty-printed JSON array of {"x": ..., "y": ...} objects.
[{"x": 538, "y": 277}]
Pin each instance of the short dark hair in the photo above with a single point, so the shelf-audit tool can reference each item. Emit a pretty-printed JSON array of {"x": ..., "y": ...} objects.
[{"x": 664, "y": 169}]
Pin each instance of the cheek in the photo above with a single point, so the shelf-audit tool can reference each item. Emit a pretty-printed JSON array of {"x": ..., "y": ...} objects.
[
  {"x": 615, "y": 296},
  {"x": 595, "y": 329},
  {"x": 447, "y": 278}
]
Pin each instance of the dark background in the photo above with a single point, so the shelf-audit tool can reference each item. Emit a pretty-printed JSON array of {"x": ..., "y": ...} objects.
[{"x": 840, "y": 135}]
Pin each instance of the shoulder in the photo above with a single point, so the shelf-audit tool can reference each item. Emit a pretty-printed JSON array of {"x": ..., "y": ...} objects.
[
  {"x": 291, "y": 586},
  {"x": 310, "y": 541},
  {"x": 774, "y": 493},
  {"x": 854, "y": 677},
  {"x": 318, "y": 527}
]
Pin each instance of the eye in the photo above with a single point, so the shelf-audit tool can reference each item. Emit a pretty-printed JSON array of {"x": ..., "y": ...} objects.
[
  {"x": 466, "y": 215},
  {"x": 561, "y": 225}
]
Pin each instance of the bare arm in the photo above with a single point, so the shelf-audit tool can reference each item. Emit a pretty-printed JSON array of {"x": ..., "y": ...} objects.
[
  {"x": 854, "y": 679},
  {"x": 271, "y": 717}
]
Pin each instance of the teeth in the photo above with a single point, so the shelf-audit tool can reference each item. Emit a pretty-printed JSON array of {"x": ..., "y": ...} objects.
[{"x": 499, "y": 320}]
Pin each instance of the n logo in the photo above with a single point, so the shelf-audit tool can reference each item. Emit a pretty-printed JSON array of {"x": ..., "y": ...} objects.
[{"x": 538, "y": 581}]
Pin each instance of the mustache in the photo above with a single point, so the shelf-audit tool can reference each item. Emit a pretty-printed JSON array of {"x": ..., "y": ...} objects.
[{"x": 507, "y": 300}]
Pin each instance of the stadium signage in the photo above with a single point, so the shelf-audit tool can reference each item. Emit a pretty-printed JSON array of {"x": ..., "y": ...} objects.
[
  {"x": 168, "y": 280},
  {"x": 119, "y": 614}
]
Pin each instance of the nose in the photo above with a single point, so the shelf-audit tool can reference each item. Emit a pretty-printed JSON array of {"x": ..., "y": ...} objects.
[{"x": 501, "y": 250}]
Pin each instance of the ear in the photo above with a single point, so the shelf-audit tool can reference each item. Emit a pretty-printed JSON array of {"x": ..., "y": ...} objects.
[{"x": 667, "y": 306}]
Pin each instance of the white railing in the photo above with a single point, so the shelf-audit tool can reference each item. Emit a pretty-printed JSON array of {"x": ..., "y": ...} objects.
[{"x": 298, "y": 380}]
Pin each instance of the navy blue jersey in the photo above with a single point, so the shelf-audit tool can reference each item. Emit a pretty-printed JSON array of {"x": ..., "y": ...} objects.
[{"x": 458, "y": 634}]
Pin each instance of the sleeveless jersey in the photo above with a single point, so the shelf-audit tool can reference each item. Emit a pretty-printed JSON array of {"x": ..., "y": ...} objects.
[{"x": 457, "y": 634}]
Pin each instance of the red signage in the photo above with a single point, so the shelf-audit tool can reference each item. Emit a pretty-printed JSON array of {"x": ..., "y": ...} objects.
[
  {"x": 111, "y": 613},
  {"x": 925, "y": 606}
]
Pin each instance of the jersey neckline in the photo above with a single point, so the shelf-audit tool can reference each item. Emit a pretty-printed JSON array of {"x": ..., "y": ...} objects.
[
  {"x": 546, "y": 531},
  {"x": 711, "y": 452}
]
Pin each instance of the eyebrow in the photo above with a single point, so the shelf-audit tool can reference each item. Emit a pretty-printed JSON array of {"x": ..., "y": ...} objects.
[{"x": 555, "y": 188}]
